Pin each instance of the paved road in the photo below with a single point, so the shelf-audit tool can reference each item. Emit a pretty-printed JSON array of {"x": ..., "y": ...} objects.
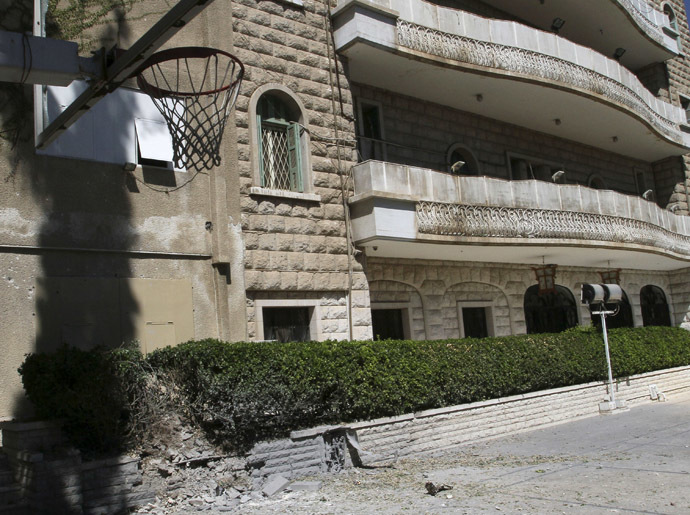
[{"x": 632, "y": 462}]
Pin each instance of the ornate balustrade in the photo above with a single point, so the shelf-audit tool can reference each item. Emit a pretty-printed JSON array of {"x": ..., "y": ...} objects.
[
  {"x": 445, "y": 219},
  {"x": 530, "y": 63},
  {"x": 649, "y": 27}
]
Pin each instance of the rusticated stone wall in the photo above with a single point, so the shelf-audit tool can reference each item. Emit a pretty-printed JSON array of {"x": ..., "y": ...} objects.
[
  {"x": 678, "y": 73},
  {"x": 434, "y": 289},
  {"x": 296, "y": 248}
]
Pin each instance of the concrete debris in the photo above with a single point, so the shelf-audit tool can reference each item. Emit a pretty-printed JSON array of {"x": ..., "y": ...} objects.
[
  {"x": 165, "y": 470},
  {"x": 274, "y": 485},
  {"x": 433, "y": 489},
  {"x": 366, "y": 459},
  {"x": 189, "y": 474},
  {"x": 305, "y": 486},
  {"x": 232, "y": 493}
]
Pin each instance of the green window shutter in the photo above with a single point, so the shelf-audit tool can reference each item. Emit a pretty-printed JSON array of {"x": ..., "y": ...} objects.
[
  {"x": 260, "y": 149},
  {"x": 295, "y": 157}
]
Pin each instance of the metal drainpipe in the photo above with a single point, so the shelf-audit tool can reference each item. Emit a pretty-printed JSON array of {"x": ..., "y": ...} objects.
[{"x": 332, "y": 62}]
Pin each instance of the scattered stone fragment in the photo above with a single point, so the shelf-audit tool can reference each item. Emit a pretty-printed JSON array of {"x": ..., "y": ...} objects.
[
  {"x": 433, "y": 489},
  {"x": 274, "y": 485},
  {"x": 165, "y": 471},
  {"x": 306, "y": 486}
]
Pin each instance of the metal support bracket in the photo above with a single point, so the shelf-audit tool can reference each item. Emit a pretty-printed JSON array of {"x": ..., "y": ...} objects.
[{"x": 123, "y": 67}]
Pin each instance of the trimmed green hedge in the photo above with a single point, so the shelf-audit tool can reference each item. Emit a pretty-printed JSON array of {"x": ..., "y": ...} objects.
[
  {"x": 244, "y": 392},
  {"x": 251, "y": 391},
  {"x": 89, "y": 390}
]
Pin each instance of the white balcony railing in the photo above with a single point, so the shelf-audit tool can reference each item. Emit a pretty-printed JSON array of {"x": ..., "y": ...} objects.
[
  {"x": 528, "y": 62},
  {"x": 433, "y": 50},
  {"x": 432, "y": 205},
  {"x": 650, "y": 27},
  {"x": 507, "y": 222}
]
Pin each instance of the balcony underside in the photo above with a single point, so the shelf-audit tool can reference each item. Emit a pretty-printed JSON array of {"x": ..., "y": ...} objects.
[
  {"x": 619, "y": 24},
  {"x": 583, "y": 116},
  {"x": 405, "y": 212},
  {"x": 585, "y": 254}
]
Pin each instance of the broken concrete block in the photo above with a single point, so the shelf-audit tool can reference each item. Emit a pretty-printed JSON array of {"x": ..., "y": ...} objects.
[
  {"x": 165, "y": 471},
  {"x": 274, "y": 485},
  {"x": 306, "y": 486},
  {"x": 232, "y": 493}
]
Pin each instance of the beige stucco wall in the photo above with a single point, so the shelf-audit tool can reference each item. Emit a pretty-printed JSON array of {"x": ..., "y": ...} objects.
[{"x": 92, "y": 253}]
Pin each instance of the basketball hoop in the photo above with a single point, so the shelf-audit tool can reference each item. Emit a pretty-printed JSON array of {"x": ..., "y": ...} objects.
[{"x": 194, "y": 88}]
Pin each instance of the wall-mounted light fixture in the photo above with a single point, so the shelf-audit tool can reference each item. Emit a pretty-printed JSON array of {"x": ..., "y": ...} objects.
[
  {"x": 618, "y": 53},
  {"x": 559, "y": 177},
  {"x": 557, "y": 24},
  {"x": 455, "y": 168},
  {"x": 546, "y": 278}
]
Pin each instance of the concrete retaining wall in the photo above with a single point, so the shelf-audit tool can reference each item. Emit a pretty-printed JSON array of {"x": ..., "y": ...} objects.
[
  {"x": 333, "y": 447},
  {"x": 52, "y": 477}
]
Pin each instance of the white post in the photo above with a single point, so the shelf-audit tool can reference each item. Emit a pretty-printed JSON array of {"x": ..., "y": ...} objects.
[{"x": 612, "y": 396}]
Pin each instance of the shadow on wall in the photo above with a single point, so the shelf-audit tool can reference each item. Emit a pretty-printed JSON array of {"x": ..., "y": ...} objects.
[
  {"x": 77, "y": 255},
  {"x": 82, "y": 213}
]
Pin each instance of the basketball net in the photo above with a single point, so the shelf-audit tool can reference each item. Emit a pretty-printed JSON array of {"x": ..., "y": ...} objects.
[{"x": 194, "y": 88}]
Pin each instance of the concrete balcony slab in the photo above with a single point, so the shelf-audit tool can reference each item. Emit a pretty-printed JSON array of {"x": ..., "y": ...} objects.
[{"x": 495, "y": 220}]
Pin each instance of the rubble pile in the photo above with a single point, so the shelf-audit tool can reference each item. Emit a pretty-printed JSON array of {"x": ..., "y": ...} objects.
[{"x": 187, "y": 473}]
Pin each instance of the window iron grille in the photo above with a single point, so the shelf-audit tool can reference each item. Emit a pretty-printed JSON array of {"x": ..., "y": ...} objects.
[{"x": 276, "y": 168}]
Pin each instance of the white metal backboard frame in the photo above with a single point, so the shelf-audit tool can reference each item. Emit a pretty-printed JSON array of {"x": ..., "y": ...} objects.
[{"x": 115, "y": 72}]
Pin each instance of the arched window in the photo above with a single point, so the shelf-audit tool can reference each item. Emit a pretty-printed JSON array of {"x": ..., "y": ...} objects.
[
  {"x": 596, "y": 182},
  {"x": 279, "y": 140},
  {"x": 279, "y": 146},
  {"x": 623, "y": 318},
  {"x": 672, "y": 20},
  {"x": 654, "y": 306},
  {"x": 457, "y": 155},
  {"x": 672, "y": 24},
  {"x": 549, "y": 312}
]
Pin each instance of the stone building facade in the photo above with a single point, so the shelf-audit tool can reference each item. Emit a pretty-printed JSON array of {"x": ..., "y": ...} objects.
[
  {"x": 296, "y": 250},
  {"x": 455, "y": 252},
  {"x": 392, "y": 169}
]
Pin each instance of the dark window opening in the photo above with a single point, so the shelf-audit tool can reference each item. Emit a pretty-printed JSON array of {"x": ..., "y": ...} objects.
[
  {"x": 287, "y": 324},
  {"x": 624, "y": 317},
  {"x": 474, "y": 322},
  {"x": 526, "y": 169},
  {"x": 551, "y": 312},
  {"x": 597, "y": 183},
  {"x": 654, "y": 306},
  {"x": 143, "y": 161},
  {"x": 387, "y": 324},
  {"x": 685, "y": 104},
  {"x": 371, "y": 133},
  {"x": 462, "y": 162}
]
